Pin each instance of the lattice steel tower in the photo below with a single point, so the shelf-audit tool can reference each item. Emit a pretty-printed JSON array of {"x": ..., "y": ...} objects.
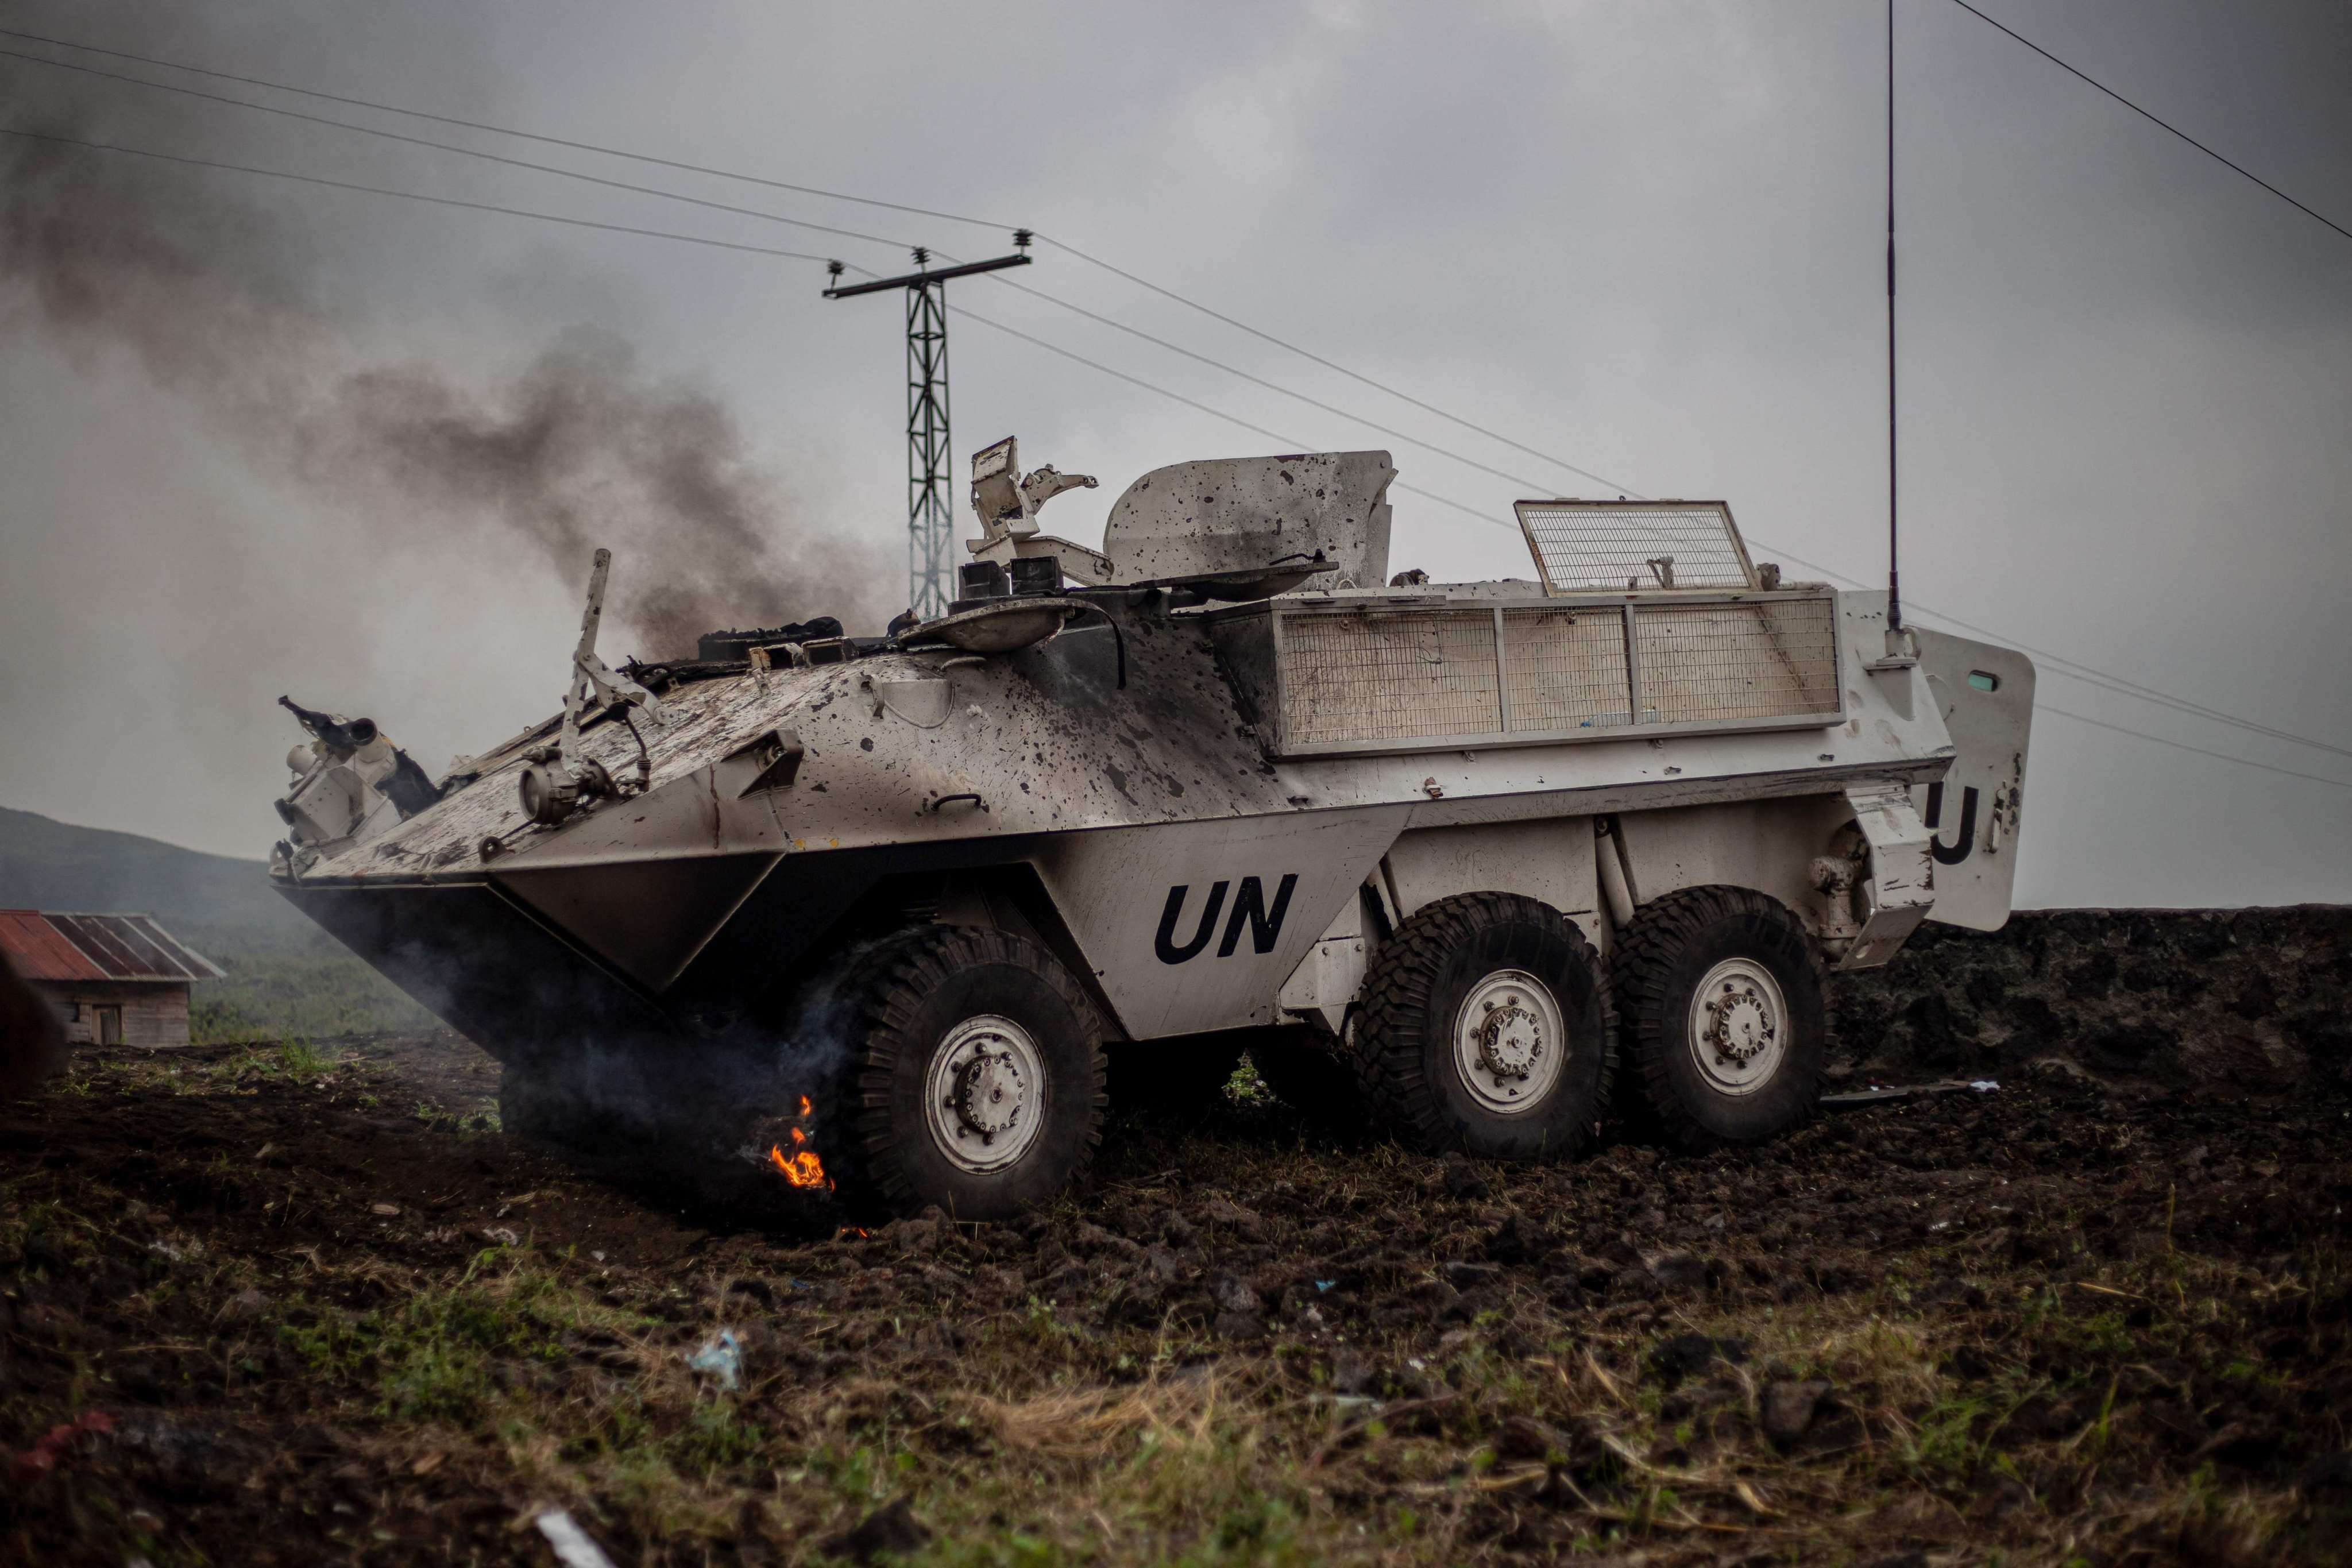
[{"x": 930, "y": 486}]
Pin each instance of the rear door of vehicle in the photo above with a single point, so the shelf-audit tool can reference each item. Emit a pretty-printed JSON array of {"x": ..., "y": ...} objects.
[{"x": 1985, "y": 694}]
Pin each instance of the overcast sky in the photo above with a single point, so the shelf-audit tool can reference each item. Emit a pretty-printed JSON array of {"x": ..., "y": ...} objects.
[{"x": 1643, "y": 237}]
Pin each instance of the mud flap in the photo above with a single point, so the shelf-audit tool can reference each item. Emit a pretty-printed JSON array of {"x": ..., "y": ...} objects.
[
  {"x": 1985, "y": 694},
  {"x": 1902, "y": 884}
]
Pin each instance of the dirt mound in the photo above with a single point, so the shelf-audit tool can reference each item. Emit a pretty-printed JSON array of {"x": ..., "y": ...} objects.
[{"x": 2256, "y": 998}]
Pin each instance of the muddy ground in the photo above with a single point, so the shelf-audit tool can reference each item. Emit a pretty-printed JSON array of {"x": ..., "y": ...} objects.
[{"x": 297, "y": 1305}]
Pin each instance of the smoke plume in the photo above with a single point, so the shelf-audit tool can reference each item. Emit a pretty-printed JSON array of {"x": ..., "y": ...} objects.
[{"x": 234, "y": 304}]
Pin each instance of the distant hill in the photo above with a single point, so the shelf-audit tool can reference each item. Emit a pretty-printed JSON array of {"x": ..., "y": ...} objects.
[{"x": 47, "y": 865}]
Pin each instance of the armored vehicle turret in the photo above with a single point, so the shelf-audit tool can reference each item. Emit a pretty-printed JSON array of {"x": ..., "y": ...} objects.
[{"x": 1447, "y": 858}]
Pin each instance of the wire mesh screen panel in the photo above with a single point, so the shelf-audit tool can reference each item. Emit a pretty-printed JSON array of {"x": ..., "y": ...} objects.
[
  {"x": 1565, "y": 670},
  {"x": 1752, "y": 659},
  {"x": 1389, "y": 677},
  {"x": 1620, "y": 545}
]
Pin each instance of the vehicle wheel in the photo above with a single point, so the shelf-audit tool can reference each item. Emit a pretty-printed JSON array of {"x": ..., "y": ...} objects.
[
  {"x": 972, "y": 1077},
  {"x": 1181, "y": 1076},
  {"x": 1483, "y": 1029},
  {"x": 1314, "y": 1077},
  {"x": 1724, "y": 1015}
]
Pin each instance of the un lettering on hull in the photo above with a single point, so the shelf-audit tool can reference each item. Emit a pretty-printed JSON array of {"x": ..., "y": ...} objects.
[{"x": 1192, "y": 927}]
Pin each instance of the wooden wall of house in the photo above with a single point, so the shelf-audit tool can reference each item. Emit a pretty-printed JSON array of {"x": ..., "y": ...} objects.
[{"x": 155, "y": 1013}]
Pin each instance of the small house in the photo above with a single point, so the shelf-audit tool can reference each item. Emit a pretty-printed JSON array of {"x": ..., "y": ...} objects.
[{"x": 115, "y": 979}]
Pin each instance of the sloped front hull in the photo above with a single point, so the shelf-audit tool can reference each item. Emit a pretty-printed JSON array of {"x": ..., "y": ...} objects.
[{"x": 483, "y": 965}]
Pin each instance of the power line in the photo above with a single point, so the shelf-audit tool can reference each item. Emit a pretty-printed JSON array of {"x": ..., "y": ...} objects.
[
  {"x": 414, "y": 195},
  {"x": 2074, "y": 669},
  {"x": 2152, "y": 120},
  {"x": 2060, "y": 664},
  {"x": 2148, "y": 694},
  {"x": 1486, "y": 516},
  {"x": 721, "y": 206},
  {"x": 2069, "y": 668},
  {"x": 2185, "y": 746},
  {"x": 443, "y": 147},
  {"x": 970, "y": 314},
  {"x": 453, "y": 147},
  {"x": 2089, "y": 675},
  {"x": 1292, "y": 442},
  {"x": 773, "y": 184},
  {"x": 496, "y": 130},
  {"x": 1269, "y": 385},
  {"x": 1332, "y": 366},
  {"x": 866, "y": 201}
]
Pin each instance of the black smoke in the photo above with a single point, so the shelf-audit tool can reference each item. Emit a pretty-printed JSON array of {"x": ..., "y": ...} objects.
[{"x": 235, "y": 301}]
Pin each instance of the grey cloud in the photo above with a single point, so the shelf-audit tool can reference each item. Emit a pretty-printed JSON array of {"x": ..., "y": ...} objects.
[{"x": 1646, "y": 237}]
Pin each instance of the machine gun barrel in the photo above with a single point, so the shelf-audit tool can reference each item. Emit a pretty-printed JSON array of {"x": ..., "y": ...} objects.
[{"x": 348, "y": 737}]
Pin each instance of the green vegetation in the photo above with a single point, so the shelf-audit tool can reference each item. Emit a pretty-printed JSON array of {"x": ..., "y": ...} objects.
[
  {"x": 433, "y": 1354},
  {"x": 297, "y": 1059},
  {"x": 267, "y": 995}
]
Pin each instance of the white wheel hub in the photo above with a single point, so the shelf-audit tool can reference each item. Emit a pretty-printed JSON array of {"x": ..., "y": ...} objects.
[
  {"x": 1738, "y": 1027},
  {"x": 985, "y": 1094},
  {"x": 1510, "y": 1042}
]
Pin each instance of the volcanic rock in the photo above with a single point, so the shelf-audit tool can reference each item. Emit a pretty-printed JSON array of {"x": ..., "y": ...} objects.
[
  {"x": 1786, "y": 1409},
  {"x": 1463, "y": 1181},
  {"x": 892, "y": 1528}
]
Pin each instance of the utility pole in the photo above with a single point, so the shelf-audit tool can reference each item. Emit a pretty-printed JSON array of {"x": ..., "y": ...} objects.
[{"x": 930, "y": 491}]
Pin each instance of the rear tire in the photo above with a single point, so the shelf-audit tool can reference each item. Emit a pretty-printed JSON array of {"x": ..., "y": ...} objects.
[
  {"x": 1724, "y": 1017},
  {"x": 972, "y": 1076},
  {"x": 1484, "y": 1030}
]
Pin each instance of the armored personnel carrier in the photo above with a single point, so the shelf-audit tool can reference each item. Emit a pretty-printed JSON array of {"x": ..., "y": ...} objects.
[{"x": 877, "y": 912}]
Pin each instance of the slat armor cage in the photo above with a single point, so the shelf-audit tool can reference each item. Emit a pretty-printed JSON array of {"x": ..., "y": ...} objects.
[{"x": 1405, "y": 673}]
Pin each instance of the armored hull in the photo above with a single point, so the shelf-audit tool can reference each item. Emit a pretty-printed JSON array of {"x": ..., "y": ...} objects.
[{"x": 1208, "y": 817}]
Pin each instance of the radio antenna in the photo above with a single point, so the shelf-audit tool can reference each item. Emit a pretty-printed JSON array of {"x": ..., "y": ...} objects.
[{"x": 1893, "y": 574}]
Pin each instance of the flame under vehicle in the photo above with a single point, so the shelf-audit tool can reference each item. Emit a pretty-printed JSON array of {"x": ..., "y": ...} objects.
[{"x": 1447, "y": 859}]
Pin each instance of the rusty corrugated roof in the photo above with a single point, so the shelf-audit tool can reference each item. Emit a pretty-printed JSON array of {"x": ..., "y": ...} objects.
[
  {"x": 55, "y": 946},
  {"x": 38, "y": 951}
]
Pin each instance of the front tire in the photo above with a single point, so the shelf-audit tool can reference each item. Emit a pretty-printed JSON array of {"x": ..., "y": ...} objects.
[
  {"x": 1725, "y": 1015},
  {"x": 972, "y": 1077},
  {"x": 1484, "y": 1030}
]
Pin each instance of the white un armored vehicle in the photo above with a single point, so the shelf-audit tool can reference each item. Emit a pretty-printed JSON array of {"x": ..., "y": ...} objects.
[{"x": 1445, "y": 857}]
